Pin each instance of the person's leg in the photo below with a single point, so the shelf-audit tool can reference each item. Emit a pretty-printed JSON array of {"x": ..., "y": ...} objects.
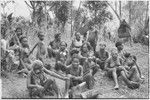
[
  {"x": 35, "y": 93},
  {"x": 23, "y": 71},
  {"x": 95, "y": 69},
  {"x": 89, "y": 79},
  {"x": 102, "y": 65},
  {"x": 56, "y": 89},
  {"x": 133, "y": 73},
  {"x": 129, "y": 83},
  {"x": 115, "y": 78},
  {"x": 139, "y": 71},
  {"x": 50, "y": 52},
  {"x": 48, "y": 89}
]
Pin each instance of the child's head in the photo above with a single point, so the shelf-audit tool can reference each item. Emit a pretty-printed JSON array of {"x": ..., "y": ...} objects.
[
  {"x": 24, "y": 41},
  {"x": 37, "y": 66},
  {"x": 3, "y": 32},
  {"x": 74, "y": 52},
  {"x": 41, "y": 35},
  {"x": 119, "y": 45},
  {"x": 85, "y": 47},
  {"x": 130, "y": 60},
  {"x": 78, "y": 36},
  {"x": 75, "y": 62},
  {"x": 63, "y": 45},
  {"x": 114, "y": 54},
  {"x": 18, "y": 31},
  {"x": 58, "y": 36},
  {"x": 102, "y": 46}
]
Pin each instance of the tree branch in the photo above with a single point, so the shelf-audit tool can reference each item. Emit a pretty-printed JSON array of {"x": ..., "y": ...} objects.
[
  {"x": 114, "y": 11},
  {"x": 28, "y": 4}
]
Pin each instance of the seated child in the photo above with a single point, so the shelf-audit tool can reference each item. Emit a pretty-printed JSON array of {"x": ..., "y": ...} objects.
[
  {"x": 77, "y": 42},
  {"x": 102, "y": 55},
  {"x": 61, "y": 57},
  {"x": 132, "y": 69},
  {"x": 121, "y": 51}
]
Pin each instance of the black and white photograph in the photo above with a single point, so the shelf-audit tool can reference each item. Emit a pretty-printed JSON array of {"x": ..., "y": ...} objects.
[{"x": 74, "y": 49}]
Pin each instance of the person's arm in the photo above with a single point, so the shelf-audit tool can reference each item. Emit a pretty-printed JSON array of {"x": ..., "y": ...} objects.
[
  {"x": 81, "y": 57},
  {"x": 13, "y": 47},
  {"x": 54, "y": 74},
  {"x": 72, "y": 44},
  {"x": 107, "y": 63},
  {"x": 29, "y": 85},
  {"x": 107, "y": 55},
  {"x": 80, "y": 77}
]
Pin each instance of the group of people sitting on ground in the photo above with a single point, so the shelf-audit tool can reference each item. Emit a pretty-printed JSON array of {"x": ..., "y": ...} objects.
[{"x": 77, "y": 64}]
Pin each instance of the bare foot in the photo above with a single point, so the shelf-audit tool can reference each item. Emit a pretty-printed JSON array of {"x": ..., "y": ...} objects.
[
  {"x": 116, "y": 87},
  {"x": 133, "y": 85}
]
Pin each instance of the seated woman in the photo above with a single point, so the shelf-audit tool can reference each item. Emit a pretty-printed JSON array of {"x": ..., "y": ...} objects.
[
  {"x": 114, "y": 69},
  {"x": 132, "y": 69},
  {"x": 23, "y": 50},
  {"x": 61, "y": 57},
  {"x": 77, "y": 42},
  {"x": 102, "y": 55},
  {"x": 54, "y": 45},
  {"x": 37, "y": 83}
]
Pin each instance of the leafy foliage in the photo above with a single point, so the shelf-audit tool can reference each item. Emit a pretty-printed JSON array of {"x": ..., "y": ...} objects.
[
  {"x": 61, "y": 10},
  {"x": 100, "y": 15}
]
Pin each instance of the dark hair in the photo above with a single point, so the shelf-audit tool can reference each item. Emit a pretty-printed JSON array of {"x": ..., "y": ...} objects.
[
  {"x": 51, "y": 43},
  {"x": 63, "y": 42},
  {"x": 102, "y": 44},
  {"x": 119, "y": 43},
  {"x": 40, "y": 33},
  {"x": 74, "y": 51},
  {"x": 22, "y": 37},
  {"x": 134, "y": 58},
  {"x": 18, "y": 28},
  {"x": 57, "y": 35},
  {"x": 127, "y": 55},
  {"x": 74, "y": 58}
]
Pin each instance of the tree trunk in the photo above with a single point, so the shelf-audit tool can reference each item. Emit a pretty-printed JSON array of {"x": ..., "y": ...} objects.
[
  {"x": 71, "y": 20},
  {"x": 120, "y": 8},
  {"x": 46, "y": 18},
  {"x": 130, "y": 9},
  {"x": 116, "y": 6},
  {"x": 147, "y": 10},
  {"x": 114, "y": 11}
]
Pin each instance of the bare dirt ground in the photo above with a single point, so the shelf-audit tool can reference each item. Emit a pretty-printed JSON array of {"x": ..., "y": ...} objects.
[{"x": 15, "y": 87}]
